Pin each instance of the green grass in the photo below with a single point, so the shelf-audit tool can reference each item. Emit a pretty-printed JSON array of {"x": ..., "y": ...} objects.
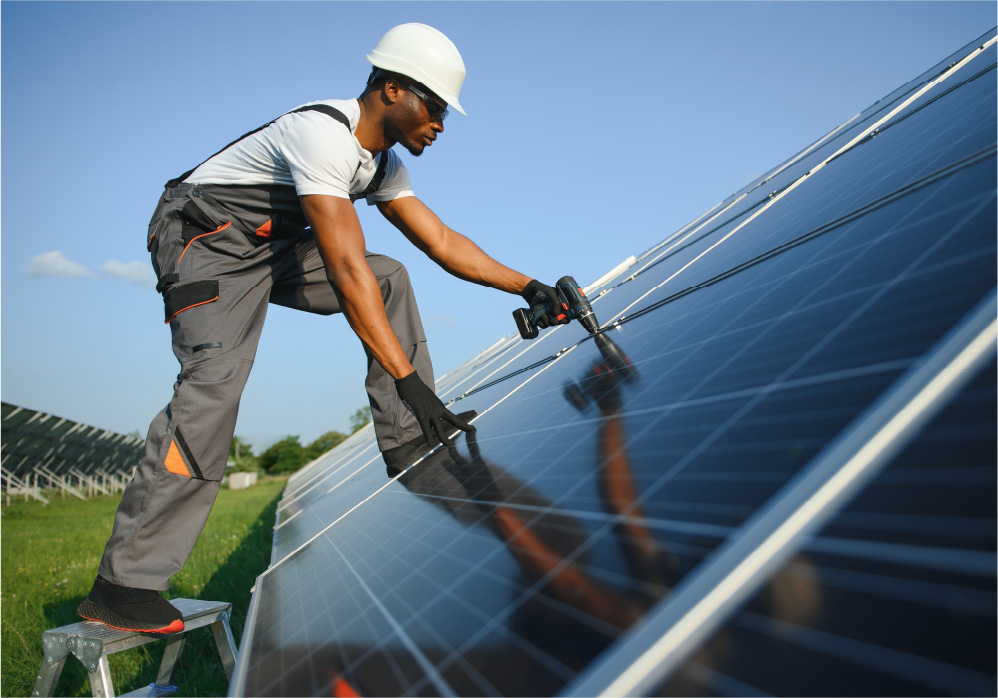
[{"x": 49, "y": 561}]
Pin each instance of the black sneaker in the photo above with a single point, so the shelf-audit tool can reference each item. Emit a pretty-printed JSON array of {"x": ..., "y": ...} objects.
[
  {"x": 125, "y": 608},
  {"x": 401, "y": 457}
]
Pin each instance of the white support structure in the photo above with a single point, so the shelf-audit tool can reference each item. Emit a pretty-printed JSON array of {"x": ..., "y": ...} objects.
[
  {"x": 15, "y": 486},
  {"x": 88, "y": 481},
  {"x": 59, "y": 481}
]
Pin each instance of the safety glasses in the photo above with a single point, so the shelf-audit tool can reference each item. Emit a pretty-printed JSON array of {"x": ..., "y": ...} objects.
[{"x": 436, "y": 109}]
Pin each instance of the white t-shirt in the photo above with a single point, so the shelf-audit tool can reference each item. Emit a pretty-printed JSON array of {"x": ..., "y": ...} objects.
[{"x": 310, "y": 151}]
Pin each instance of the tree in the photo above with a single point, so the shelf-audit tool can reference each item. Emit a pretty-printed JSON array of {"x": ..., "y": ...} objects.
[
  {"x": 324, "y": 443},
  {"x": 241, "y": 454},
  {"x": 286, "y": 456},
  {"x": 359, "y": 419}
]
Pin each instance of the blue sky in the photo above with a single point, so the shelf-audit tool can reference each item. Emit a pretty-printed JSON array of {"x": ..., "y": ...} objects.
[{"x": 595, "y": 130}]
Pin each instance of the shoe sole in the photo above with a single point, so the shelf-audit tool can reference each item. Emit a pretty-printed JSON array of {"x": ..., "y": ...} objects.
[{"x": 91, "y": 611}]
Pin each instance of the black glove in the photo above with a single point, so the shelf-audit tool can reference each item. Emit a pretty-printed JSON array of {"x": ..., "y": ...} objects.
[
  {"x": 429, "y": 410},
  {"x": 537, "y": 294}
]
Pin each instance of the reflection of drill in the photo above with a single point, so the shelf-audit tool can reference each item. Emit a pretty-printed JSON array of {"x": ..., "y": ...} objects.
[
  {"x": 573, "y": 302},
  {"x": 602, "y": 383}
]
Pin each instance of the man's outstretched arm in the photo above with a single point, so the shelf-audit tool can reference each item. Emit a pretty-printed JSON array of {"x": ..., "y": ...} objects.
[{"x": 454, "y": 252}]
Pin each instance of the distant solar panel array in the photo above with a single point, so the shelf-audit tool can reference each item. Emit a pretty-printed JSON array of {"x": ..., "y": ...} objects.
[
  {"x": 41, "y": 451},
  {"x": 772, "y": 472}
]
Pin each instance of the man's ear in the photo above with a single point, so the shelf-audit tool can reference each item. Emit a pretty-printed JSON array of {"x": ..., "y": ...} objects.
[{"x": 391, "y": 92}]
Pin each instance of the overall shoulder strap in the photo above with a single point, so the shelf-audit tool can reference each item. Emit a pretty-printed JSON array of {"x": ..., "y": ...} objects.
[
  {"x": 379, "y": 175},
  {"x": 323, "y": 108}
]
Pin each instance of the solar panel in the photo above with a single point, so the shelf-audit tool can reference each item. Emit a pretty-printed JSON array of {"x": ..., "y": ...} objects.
[
  {"x": 772, "y": 471},
  {"x": 33, "y": 439}
]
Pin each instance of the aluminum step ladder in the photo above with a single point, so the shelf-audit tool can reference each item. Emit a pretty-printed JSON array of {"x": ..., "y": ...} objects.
[{"x": 92, "y": 642}]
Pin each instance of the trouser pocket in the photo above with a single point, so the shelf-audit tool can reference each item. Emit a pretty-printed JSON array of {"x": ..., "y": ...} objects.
[{"x": 193, "y": 312}]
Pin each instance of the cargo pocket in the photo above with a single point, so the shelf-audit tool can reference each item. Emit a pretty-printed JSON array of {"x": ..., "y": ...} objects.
[
  {"x": 184, "y": 297},
  {"x": 194, "y": 316}
]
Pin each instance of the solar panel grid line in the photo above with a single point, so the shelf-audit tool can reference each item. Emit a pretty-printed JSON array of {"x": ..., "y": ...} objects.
[
  {"x": 529, "y": 593},
  {"x": 718, "y": 682},
  {"x": 453, "y": 657},
  {"x": 679, "y": 239},
  {"x": 824, "y": 229},
  {"x": 957, "y": 599},
  {"x": 925, "y": 104},
  {"x": 770, "y": 536},
  {"x": 337, "y": 667},
  {"x": 774, "y": 385},
  {"x": 341, "y": 456},
  {"x": 676, "y": 525},
  {"x": 326, "y": 475},
  {"x": 430, "y": 670},
  {"x": 308, "y": 473},
  {"x": 728, "y": 235},
  {"x": 495, "y": 624},
  {"x": 482, "y": 683},
  {"x": 468, "y": 365},
  {"x": 966, "y": 527},
  {"x": 330, "y": 525},
  {"x": 972, "y": 562},
  {"x": 528, "y": 347},
  {"x": 681, "y": 235},
  {"x": 926, "y": 671},
  {"x": 307, "y": 499},
  {"x": 862, "y": 137},
  {"x": 602, "y": 281}
]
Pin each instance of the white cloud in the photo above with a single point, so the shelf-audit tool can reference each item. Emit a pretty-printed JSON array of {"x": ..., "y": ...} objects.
[
  {"x": 137, "y": 272},
  {"x": 54, "y": 263}
]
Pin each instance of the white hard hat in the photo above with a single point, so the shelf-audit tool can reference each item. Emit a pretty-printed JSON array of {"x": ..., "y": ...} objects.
[{"x": 424, "y": 54}]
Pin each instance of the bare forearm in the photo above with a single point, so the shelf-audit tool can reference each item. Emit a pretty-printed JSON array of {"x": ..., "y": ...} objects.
[
  {"x": 466, "y": 260},
  {"x": 448, "y": 248},
  {"x": 341, "y": 244},
  {"x": 361, "y": 303}
]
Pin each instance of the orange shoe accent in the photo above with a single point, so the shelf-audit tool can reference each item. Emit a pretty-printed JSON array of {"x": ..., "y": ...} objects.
[
  {"x": 175, "y": 464},
  {"x": 174, "y": 627},
  {"x": 264, "y": 230}
]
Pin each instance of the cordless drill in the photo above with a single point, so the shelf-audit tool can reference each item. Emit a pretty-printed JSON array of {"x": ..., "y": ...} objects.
[{"x": 574, "y": 304}]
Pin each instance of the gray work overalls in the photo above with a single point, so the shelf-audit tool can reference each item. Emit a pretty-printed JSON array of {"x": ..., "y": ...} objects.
[{"x": 221, "y": 254}]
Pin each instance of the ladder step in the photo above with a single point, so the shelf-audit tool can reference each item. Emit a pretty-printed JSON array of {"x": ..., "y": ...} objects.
[
  {"x": 197, "y": 614},
  {"x": 91, "y": 642}
]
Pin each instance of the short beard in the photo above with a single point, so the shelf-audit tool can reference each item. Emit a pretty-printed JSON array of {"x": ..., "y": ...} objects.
[
  {"x": 413, "y": 150},
  {"x": 395, "y": 134}
]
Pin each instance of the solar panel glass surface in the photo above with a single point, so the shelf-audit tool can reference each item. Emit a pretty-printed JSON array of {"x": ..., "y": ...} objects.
[
  {"x": 595, "y": 484},
  {"x": 896, "y": 596}
]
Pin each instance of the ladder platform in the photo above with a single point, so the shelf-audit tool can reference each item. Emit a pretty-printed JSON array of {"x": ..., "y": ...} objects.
[{"x": 91, "y": 643}]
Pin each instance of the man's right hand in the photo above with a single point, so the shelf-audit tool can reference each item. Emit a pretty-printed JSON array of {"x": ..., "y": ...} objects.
[
  {"x": 539, "y": 295},
  {"x": 428, "y": 409}
]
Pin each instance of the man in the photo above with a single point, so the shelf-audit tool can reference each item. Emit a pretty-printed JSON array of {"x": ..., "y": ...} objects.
[{"x": 270, "y": 219}]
